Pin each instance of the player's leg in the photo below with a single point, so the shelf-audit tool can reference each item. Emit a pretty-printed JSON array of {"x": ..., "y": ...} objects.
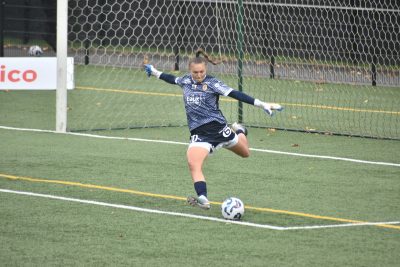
[
  {"x": 195, "y": 158},
  {"x": 241, "y": 148}
]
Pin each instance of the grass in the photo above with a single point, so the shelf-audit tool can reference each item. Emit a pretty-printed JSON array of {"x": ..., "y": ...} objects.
[
  {"x": 119, "y": 238},
  {"x": 39, "y": 231},
  {"x": 51, "y": 232}
]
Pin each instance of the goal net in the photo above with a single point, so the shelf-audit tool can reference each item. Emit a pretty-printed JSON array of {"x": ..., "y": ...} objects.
[{"x": 333, "y": 65}]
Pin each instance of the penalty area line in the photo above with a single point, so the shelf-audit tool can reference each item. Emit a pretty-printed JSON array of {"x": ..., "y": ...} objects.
[
  {"x": 191, "y": 216},
  {"x": 181, "y": 143}
]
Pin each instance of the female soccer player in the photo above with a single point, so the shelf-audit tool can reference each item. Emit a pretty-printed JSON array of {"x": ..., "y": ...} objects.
[{"x": 208, "y": 127}]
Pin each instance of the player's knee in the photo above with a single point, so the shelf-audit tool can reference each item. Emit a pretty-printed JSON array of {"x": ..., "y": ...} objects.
[{"x": 245, "y": 154}]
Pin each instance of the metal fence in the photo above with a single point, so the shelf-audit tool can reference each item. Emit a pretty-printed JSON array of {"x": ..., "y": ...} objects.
[{"x": 333, "y": 34}]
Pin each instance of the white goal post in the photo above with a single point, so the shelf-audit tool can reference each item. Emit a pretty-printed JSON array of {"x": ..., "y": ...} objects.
[{"x": 62, "y": 46}]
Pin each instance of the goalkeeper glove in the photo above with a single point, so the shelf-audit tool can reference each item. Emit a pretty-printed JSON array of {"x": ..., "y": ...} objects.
[
  {"x": 150, "y": 70},
  {"x": 268, "y": 107}
]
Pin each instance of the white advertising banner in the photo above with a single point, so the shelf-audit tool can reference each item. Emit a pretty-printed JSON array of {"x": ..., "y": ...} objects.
[{"x": 32, "y": 73}]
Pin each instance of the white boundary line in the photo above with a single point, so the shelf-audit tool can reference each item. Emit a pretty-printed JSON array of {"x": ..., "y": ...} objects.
[
  {"x": 192, "y": 216},
  {"x": 181, "y": 143},
  {"x": 327, "y": 157},
  {"x": 118, "y": 206}
]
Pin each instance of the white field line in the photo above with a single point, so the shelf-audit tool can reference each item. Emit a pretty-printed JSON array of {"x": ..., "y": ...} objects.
[
  {"x": 118, "y": 206},
  {"x": 327, "y": 157},
  {"x": 192, "y": 216},
  {"x": 310, "y": 227},
  {"x": 181, "y": 143}
]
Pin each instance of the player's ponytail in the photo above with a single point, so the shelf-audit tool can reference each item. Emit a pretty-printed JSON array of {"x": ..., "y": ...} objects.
[{"x": 206, "y": 58}]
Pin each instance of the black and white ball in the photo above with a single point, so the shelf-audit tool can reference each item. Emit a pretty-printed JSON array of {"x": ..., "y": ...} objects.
[
  {"x": 232, "y": 209},
  {"x": 35, "y": 51}
]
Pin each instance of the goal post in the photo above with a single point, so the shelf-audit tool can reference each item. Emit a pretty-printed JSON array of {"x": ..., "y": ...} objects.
[{"x": 62, "y": 53}]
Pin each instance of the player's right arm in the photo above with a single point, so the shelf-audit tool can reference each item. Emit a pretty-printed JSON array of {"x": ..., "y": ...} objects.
[{"x": 151, "y": 71}]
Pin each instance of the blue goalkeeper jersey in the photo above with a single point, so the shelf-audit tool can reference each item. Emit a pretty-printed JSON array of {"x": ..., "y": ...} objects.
[{"x": 201, "y": 100}]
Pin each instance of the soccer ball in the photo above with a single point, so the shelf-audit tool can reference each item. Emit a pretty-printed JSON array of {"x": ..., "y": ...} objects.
[
  {"x": 35, "y": 51},
  {"x": 232, "y": 209}
]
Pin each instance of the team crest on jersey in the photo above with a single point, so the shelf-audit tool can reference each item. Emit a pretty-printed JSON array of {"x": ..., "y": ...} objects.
[{"x": 205, "y": 87}]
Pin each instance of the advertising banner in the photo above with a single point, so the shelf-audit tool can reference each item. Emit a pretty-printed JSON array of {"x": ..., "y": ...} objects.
[{"x": 32, "y": 73}]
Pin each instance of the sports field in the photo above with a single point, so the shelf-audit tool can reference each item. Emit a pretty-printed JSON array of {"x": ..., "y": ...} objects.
[
  {"x": 322, "y": 184},
  {"x": 116, "y": 195},
  {"x": 76, "y": 200}
]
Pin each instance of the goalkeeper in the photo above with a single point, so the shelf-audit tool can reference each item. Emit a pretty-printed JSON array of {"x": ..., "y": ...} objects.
[{"x": 208, "y": 126}]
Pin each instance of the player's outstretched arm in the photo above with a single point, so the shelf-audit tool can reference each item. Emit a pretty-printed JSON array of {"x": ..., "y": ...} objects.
[
  {"x": 269, "y": 108},
  {"x": 152, "y": 71}
]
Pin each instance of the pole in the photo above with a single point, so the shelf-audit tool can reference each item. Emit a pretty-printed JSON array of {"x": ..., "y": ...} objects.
[
  {"x": 179, "y": 30},
  {"x": 374, "y": 47},
  {"x": 272, "y": 67},
  {"x": 373, "y": 70},
  {"x": 2, "y": 4},
  {"x": 62, "y": 45},
  {"x": 271, "y": 41},
  {"x": 240, "y": 56},
  {"x": 86, "y": 42}
]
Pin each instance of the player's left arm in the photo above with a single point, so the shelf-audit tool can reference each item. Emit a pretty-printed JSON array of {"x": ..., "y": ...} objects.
[{"x": 267, "y": 107}]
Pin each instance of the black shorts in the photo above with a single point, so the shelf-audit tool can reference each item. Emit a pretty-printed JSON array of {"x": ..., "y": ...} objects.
[{"x": 212, "y": 136}]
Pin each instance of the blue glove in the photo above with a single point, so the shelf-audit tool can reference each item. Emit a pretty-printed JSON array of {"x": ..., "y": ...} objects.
[{"x": 148, "y": 69}]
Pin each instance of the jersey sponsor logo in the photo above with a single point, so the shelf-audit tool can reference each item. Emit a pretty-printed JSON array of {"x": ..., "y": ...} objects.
[{"x": 194, "y": 99}]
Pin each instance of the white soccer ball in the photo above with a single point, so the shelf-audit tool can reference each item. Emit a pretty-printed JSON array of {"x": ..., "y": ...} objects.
[
  {"x": 35, "y": 51},
  {"x": 232, "y": 209}
]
